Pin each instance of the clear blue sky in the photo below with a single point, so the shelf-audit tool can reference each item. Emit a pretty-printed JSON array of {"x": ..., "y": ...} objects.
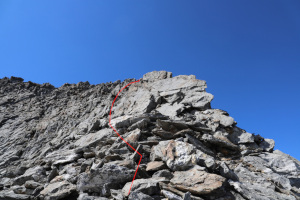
[{"x": 247, "y": 51}]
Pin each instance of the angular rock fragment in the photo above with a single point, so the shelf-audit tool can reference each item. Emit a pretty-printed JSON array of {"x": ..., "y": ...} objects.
[
  {"x": 147, "y": 186},
  {"x": 58, "y": 190},
  {"x": 109, "y": 173},
  {"x": 197, "y": 182},
  {"x": 155, "y": 166}
]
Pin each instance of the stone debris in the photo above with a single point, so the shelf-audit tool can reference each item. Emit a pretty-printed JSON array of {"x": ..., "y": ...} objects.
[{"x": 56, "y": 143}]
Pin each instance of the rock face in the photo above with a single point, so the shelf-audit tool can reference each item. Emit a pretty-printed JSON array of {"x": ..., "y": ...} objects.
[{"x": 55, "y": 143}]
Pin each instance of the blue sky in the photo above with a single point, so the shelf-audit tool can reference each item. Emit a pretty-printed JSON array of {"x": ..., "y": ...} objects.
[{"x": 247, "y": 51}]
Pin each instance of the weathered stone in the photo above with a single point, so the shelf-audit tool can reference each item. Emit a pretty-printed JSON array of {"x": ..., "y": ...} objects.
[
  {"x": 157, "y": 75},
  {"x": 199, "y": 145},
  {"x": 155, "y": 166},
  {"x": 65, "y": 132},
  {"x": 53, "y": 173},
  {"x": 62, "y": 157},
  {"x": 240, "y": 136},
  {"x": 133, "y": 136},
  {"x": 163, "y": 173},
  {"x": 84, "y": 196},
  {"x": 171, "y": 195},
  {"x": 139, "y": 195},
  {"x": 32, "y": 184},
  {"x": 197, "y": 182},
  {"x": 35, "y": 173},
  {"x": 19, "y": 189},
  {"x": 58, "y": 190},
  {"x": 220, "y": 142},
  {"x": 109, "y": 173},
  {"x": 10, "y": 195},
  {"x": 116, "y": 194},
  {"x": 267, "y": 145},
  {"x": 226, "y": 172},
  {"x": 146, "y": 186},
  {"x": 180, "y": 155}
]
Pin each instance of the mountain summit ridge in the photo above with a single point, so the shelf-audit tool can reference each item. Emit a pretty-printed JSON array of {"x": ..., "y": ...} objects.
[{"x": 55, "y": 143}]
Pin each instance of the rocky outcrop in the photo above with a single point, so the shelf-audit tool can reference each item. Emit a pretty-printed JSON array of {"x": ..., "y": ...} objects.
[{"x": 56, "y": 143}]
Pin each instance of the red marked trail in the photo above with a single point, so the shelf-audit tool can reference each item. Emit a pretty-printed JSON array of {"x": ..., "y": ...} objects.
[{"x": 120, "y": 135}]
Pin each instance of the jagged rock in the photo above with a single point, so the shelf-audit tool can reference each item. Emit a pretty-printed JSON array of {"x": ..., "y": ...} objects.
[
  {"x": 222, "y": 142},
  {"x": 267, "y": 145},
  {"x": 163, "y": 173},
  {"x": 199, "y": 145},
  {"x": 157, "y": 75},
  {"x": 197, "y": 181},
  {"x": 240, "y": 136},
  {"x": 35, "y": 173},
  {"x": 32, "y": 184},
  {"x": 57, "y": 143},
  {"x": 58, "y": 190},
  {"x": 53, "y": 173},
  {"x": 179, "y": 155},
  {"x": 109, "y": 173},
  {"x": 139, "y": 195},
  {"x": 19, "y": 189},
  {"x": 116, "y": 194},
  {"x": 133, "y": 136},
  {"x": 155, "y": 166},
  {"x": 170, "y": 195},
  {"x": 146, "y": 186},
  {"x": 10, "y": 195},
  {"x": 62, "y": 157},
  {"x": 226, "y": 172},
  {"x": 84, "y": 196}
]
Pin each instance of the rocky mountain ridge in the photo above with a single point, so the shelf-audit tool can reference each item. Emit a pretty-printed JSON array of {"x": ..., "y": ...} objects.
[{"x": 55, "y": 143}]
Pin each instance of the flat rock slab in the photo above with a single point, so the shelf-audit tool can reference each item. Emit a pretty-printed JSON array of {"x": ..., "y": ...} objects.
[
  {"x": 10, "y": 195},
  {"x": 197, "y": 182},
  {"x": 155, "y": 166},
  {"x": 147, "y": 186}
]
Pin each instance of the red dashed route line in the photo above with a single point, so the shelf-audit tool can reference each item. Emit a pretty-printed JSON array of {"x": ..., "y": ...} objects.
[{"x": 120, "y": 135}]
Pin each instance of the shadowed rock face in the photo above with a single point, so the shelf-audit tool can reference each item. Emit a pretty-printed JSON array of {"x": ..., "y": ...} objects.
[{"x": 55, "y": 143}]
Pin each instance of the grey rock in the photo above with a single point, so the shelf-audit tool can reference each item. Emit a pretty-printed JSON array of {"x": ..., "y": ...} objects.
[
  {"x": 155, "y": 166},
  {"x": 109, "y": 173},
  {"x": 170, "y": 195},
  {"x": 139, "y": 196},
  {"x": 222, "y": 142},
  {"x": 57, "y": 143},
  {"x": 19, "y": 189},
  {"x": 10, "y": 195},
  {"x": 226, "y": 172},
  {"x": 116, "y": 194},
  {"x": 157, "y": 75},
  {"x": 197, "y": 182},
  {"x": 267, "y": 145},
  {"x": 53, "y": 173},
  {"x": 163, "y": 173},
  {"x": 177, "y": 155},
  {"x": 147, "y": 186},
  {"x": 240, "y": 136},
  {"x": 84, "y": 196},
  {"x": 31, "y": 174},
  {"x": 57, "y": 190},
  {"x": 187, "y": 196},
  {"x": 32, "y": 184}
]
